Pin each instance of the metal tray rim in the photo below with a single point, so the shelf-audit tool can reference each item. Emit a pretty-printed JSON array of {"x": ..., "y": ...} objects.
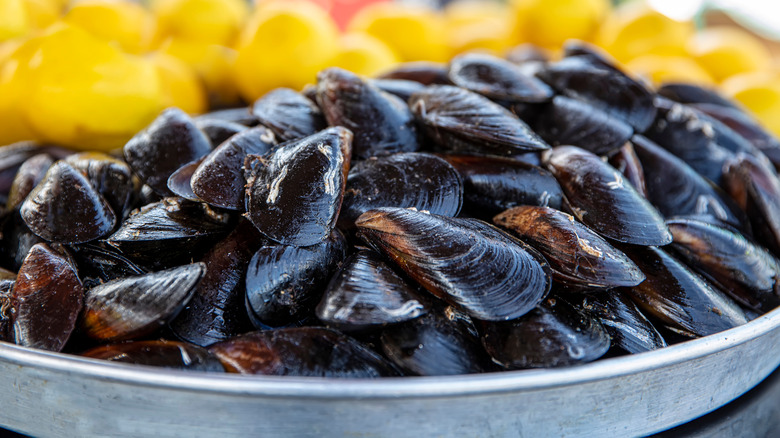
[{"x": 409, "y": 387}]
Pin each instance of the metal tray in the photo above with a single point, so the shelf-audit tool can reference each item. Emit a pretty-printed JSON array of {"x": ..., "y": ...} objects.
[{"x": 46, "y": 394}]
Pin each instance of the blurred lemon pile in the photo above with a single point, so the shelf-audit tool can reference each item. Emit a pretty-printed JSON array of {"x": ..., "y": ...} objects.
[{"x": 91, "y": 73}]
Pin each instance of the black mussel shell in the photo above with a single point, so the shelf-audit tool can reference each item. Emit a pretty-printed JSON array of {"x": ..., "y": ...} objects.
[
  {"x": 626, "y": 161},
  {"x": 132, "y": 307},
  {"x": 401, "y": 88},
  {"x": 6, "y": 287},
  {"x": 694, "y": 94},
  {"x": 590, "y": 53},
  {"x": 681, "y": 300},
  {"x": 13, "y": 155},
  {"x": 568, "y": 121},
  {"x": 606, "y": 88},
  {"x": 112, "y": 178},
  {"x": 219, "y": 179},
  {"x": 216, "y": 311},
  {"x": 162, "y": 353},
  {"x": 744, "y": 270},
  {"x": 459, "y": 120},
  {"x": 168, "y": 232},
  {"x": 284, "y": 283},
  {"x": 301, "y": 351},
  {"x": 435, "y": 344},
  {"x": 294, "y": 194},
  {"x": 409, "y": 179},
  {"x": 677, "y": 190},
  {"x": 30, "y": 173},
  {"x": 98, "y": 264},
  {"x": 381, "y": 123},
  {"x": 289, "y": 114},
  {"x": 466, "y": 262},
  {"x": 426, "y": 73},
  {"x": 367, "y": 293},
  {"x": 603, "y": 200},
  {"x": 496, "y": 78},
  {"x": 554, "y": 334},
  {"x": 527, "y": 52},
  {"x": 577, "y": 255},
  {"x": 757, "y": 192},
  {"x": 628, "y": 327},
  {"x": 242, "y": 116},
  {"x": 170, "y": 142},
  {"x": 218, "y": 131},
  {"x": 179, "y": 181},
  {"x": 746, "y": 126},
  {"x": 46, "y": 299},
  {"x": 17, "y": 240},
  {"x": 65, "y": 208}
]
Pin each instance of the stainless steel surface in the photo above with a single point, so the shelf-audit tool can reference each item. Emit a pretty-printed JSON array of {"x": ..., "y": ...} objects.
[{"x": 56, "y": 395}]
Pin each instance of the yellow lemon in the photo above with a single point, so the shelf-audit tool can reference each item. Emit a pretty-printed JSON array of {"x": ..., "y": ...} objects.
[
  {"x": 14, "y": 20},
  {"x": 86, "y": 94},
  {"x": 549, "y": 23},
  {"x": 478, "y": 25},
  {"x": 43, "y": 13},
  {"x": 760, "y": 93},
  {"x": 181, "y": 86},
  {"x": 414, "y": 33},
  {"x": 123, "y": 21},
  {"x": 14, "y": 82},
  {"x": 206, "y": 21},
  {"x": 363, "y": 54},
  {"x": 284, "y": 44},
  {"x": 660, "y": 69},
  {"x": 726, "y": 51},
  {"x": 212, "y": 63},
  {"x": 634, "y": 30}
]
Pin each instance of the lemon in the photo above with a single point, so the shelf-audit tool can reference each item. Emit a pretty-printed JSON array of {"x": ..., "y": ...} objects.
[
  {"x": 634, "y": 30},
  {"x": 205, "y": 21},
  {"x": 363, "y": 54},
  {"x": 660, "y": 69},
  {"x": 726, "y": 51},
  {"x": 284, "y": 44},
  {"x": 13, "y": 19},
  {"x": 478, "y": 25},
  {"x": 212, "y": 63},
  {"x": 43, "y": 13},
  {"x": 14, "y": 80},
  {"x": 123, "y": 21},
  {"x": 760, "y": 93},
  {"x": 549, "y": 23},
  {"x": 181, "y": 86},
  {"x": 415, "y": 33},
  {"x": 87, "y": 94}
]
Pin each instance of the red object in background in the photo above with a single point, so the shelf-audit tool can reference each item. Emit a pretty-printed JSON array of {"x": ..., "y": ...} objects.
[{"x": 343, "y": 10}]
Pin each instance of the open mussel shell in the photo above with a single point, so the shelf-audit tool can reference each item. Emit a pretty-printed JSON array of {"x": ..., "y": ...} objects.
[
  {"x": 289, "y": 114},
  {"x": 439, "y": 343},
  {"x": 554, "y": 334},
  {"x": 366, "y": 293},
  {"x": 681, "y": 300},
  {"x": 424, "y": 72},
  {"x": 567, "y": 121},
  {"x": 162, "y": 353},
  {"x": 30, "y": 173},
  {"x": 577, "y": 255},
  {"x": 381, "y": 123},
  {"x": 744, "y": 270},
  {"x": 626, "y": 161},
  {"x": 493, "y": 184},
  {"x": 462, "y": 121},
  {"x": 169, "y": 231},
  {"x": 301, "y": 351},
  {"x": 170, "y": 142},
  {"x": 216, "y": 310},
  {"x": 111, "y": 177},
  {"x": 408, "y": 179},
  {"x": 628, "y": 327},
  {"x": 218, "y": 131},
  {"x": 466, "y": 262},
  {"x": 293, "y": 195},
  {"x": 401, "y": 88},
  {"x": 46, "y": 299},
  {"x": 98, "y": 264},
  {"x": 676, "y": 189},
  {"x": 219, "y": 179},
  {"x": 132, "y": 307},
  {"x": 65, "y": 208},
  {"x": 603, "y": 87},
  {"x": 757, "y": 191},
  {"x": 496, "y": 78},
  {"x": 603, "y": 200},
  {"x": 283, "y": 283}
]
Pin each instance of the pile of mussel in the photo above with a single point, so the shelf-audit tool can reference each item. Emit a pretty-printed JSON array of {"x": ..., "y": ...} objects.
[{"x": 482, "y": 215}]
